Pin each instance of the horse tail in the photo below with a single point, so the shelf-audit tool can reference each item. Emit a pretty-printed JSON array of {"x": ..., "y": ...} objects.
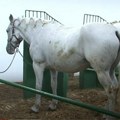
[
  {"x": 118, "y": 54},
  {"x": 118, "y": 35},
  {"x": 115, "y": 63}
]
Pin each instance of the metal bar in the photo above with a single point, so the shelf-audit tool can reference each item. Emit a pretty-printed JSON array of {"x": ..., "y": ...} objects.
[
  {"x": 37, "y": 14},
  {"x": 33, "y": 13},
  {"x": 44, "y": 15},
  {"x": 84, "y": 20},
  {"x": 89, "y": 18},
  {"x": 98, "y": 19},
  {"x": 48, "y": 17},
  {"x": 86, "y": 17},
  {"x": 67, "y": 100},
  {"x": 93, "y": 18},
  {"x": 29, "y": 13},
  {"x": 25, "y": 13},
  {"x": 40, "y": 14}
]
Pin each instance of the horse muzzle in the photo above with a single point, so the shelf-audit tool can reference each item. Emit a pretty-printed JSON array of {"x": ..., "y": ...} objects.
[{"x": 10, "y": 49}]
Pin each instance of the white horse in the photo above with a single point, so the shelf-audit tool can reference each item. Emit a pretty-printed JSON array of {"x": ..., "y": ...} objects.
[{"x": 68, "y": 49}]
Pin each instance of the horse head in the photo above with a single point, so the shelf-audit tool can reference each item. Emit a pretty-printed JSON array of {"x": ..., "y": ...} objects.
[{"x": 14, "y": 36}]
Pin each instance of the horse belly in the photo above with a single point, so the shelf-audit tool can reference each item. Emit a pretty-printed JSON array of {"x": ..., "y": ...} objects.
[{"x": 69, "y": 65}]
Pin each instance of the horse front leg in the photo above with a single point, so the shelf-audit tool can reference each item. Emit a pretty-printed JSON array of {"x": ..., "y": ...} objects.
[
  {"x": 53, "y": 104},
  {"x": 38, "y": 69}
]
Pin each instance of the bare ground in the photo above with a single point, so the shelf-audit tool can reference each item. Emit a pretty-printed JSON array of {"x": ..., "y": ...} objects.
[{"x": 14, "y": 107}]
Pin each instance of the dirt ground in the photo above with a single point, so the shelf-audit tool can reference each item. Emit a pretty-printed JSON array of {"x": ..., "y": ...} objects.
[{"x": 14, "y": 107}]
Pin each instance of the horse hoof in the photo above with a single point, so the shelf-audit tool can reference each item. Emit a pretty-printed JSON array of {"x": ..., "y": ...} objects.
[
  {"x": 52, "y": 107},
  {"x": 35, "y": 108},
  {"x": 105, "y": 117}
]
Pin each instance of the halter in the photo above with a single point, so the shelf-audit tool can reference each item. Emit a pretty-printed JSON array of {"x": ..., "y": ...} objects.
[{"x": 13, "y": 35}]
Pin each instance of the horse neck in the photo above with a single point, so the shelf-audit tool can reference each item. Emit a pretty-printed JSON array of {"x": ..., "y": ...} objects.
[{"x": 25, "y": 30}]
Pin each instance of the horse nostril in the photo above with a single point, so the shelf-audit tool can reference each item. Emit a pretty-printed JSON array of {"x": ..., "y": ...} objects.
[{"x": 10, "y": 50}]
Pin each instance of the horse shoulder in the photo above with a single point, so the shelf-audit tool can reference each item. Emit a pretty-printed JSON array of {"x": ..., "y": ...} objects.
[{"x": 36, "y": 53}]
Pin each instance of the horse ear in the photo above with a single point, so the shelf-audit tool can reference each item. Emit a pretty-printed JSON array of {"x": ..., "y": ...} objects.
[{"x": 11, "y": 18}]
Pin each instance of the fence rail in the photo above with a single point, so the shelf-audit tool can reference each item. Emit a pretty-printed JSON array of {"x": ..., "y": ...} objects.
[
  {"x": 39, "y": 14},
  {"x": 67, "y": 100}
]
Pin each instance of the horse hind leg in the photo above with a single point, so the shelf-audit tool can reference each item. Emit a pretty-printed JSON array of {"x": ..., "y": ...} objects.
[
  {"x": 53, "y": 104},
  {"x": 115, "y": 83},
  {"x": 110, "y": 85},
  {"x": 113, "y": 76}
]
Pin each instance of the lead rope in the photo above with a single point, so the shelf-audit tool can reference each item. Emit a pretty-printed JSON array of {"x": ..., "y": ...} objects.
[
  {"x": 25, "y": 60},
  {"x": 17, "y": 50},
  {"x": 9, "y": 64}
]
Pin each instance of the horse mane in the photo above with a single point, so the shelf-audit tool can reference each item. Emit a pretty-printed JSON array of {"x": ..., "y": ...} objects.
[{"x": 31, "y": 22}]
